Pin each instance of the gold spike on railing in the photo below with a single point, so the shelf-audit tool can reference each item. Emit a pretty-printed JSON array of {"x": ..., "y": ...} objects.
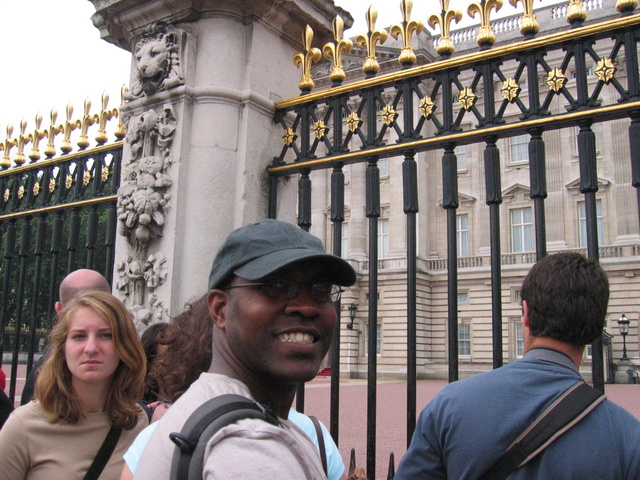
[
  {"x": 306, "y": 58},
  {"x": 104, "y": 116},
  {"x": 368, "y": 41},
  {"x": 408, "y": 27},
  {"x": 22, "y": 140},
  {"x": 84, "y": 124},
  {"x": 38, "y": 134},
  {"x": 486, "y": 37},
  {"x": 6, "y": 146},
  {"x": 120, "y": 131},
  {"x": 51, "y": 132},
  {"x": 576, "y": 12},
  {"x": 444, "y": 19},
  {"x": 68, "y": 127},
  {"x": 530, "y": 25},
  {"x": 35, "y": 137},
  {"x": 626, "y": 5},
  {"x": 336, "y": 48}
]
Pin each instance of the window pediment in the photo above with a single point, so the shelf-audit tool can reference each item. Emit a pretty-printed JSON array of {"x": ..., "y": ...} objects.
[{"x": 574, "y": 186}]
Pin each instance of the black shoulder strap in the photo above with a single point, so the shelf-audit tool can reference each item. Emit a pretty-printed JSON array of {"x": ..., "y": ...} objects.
[
  {"x": 571, "y": 407},
  {"x": 321, "y": 447},
  {"x": 103, "y": 455},
  {"x": 204, "y": 422}
]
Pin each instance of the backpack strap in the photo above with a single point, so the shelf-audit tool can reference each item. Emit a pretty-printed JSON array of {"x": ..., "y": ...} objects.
[
  {"x": 566, "y": 411},
  {"x": 104, "y": 454},
  {"x": 204, "y": 423},
  {"x": 321, "y": 447}
]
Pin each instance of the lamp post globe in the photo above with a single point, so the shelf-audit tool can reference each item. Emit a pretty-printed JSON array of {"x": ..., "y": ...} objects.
[{"x": 623, "y": 325}]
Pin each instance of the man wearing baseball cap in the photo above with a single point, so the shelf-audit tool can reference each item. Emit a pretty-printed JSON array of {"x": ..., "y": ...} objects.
[{"x": 272, "y": 294}]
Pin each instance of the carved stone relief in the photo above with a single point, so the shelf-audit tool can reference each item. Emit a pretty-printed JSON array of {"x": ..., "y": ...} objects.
[
  {"x": 143, "y": 200},
  {"x": 157, "y": 61}
]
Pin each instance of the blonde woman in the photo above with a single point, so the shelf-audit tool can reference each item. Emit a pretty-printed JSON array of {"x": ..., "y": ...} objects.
[{"x": 88, "y": 387}]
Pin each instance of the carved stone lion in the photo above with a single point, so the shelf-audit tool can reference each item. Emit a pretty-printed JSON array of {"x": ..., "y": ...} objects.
[{"x": 157, "y": 61}]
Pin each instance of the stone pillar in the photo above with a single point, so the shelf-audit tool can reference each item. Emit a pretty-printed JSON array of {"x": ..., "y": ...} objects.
[{"x": 200, "y": 131}]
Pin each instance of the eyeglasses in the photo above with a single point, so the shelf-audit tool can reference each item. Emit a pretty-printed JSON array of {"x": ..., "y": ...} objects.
[{"x": 284, "y": 290}]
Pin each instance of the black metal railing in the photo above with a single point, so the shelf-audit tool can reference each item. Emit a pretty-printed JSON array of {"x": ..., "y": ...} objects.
[
  {"x": 56, "y": 216},
  {"x": 427, "y": 107}
]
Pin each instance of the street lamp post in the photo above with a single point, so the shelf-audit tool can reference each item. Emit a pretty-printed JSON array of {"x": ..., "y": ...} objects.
[
  {"x": 623, "y": 325},
  {"x": 353, "y": 308}
]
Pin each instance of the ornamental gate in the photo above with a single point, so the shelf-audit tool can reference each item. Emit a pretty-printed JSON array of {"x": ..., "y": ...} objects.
[
  {"x": 442, "y": 166},
  {"x": 551, "y": 117},
  {"x": 57, "y": 214}
]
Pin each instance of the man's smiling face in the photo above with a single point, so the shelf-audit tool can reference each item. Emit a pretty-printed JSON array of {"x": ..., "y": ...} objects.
[{"x": 276, "y": 339}]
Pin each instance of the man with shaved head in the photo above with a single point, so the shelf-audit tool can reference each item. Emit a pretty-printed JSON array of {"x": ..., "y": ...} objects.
[
  {"x": 80, "y": 281},
  {"x": 75, "y": 283}
]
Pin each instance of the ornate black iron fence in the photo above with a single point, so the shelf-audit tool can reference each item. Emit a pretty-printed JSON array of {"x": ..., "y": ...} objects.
[
  {"x": 56, "y": 215},
  {"x": 436, "y": 101}
]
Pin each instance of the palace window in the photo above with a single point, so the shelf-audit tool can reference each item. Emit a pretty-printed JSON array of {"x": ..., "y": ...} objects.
[
  {"x": 521, "y": 230},
  {"x": 383, "y": 238},
  {"x": 519, "y": 149},
  {"x": 461, "y": 156},
  {"x": 344, "y": 241},
  {"x": 462, "y": 235},
  {"x": 464, "y": 340},
  {"x": 582, "y": 220}
]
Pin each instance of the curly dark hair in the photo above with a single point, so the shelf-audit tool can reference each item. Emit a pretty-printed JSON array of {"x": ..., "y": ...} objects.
[
  {"x": 567, "y": 295},
  {"x": 149, "y": 340},
  {"x": 188, "y": 352}
]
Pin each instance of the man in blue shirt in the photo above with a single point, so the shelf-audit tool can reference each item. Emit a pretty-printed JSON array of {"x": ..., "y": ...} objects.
[{"x": 471, "y": 423}]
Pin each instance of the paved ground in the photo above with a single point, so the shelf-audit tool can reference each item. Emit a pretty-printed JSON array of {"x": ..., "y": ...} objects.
[{"x": 391, "y": 413}]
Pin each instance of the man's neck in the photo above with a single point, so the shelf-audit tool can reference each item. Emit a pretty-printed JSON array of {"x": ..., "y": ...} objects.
[
  {"x": 278, "y": 397},
  {"x": 573, "y": 352}
]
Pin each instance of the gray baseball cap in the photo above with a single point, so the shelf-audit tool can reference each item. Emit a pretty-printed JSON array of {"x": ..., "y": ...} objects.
[{"x": 259, "y": 249}]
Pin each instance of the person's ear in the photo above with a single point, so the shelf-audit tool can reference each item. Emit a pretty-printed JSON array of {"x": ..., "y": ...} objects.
[
  {"x": 58, "y": 307},
  {"x": 525, "y": 313},
  {"x": 217, "y": 300}
]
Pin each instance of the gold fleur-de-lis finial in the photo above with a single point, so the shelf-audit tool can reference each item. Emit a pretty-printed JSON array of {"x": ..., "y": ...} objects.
[
  {"x": 36, "y": 136},
  {"x": 104, "y": 116},
  {"x": 336, "y": 48},
  {"x": 530, "y": 25},
  {"x": 6, "y": 146},
  {"x": 23, "y": 139},
  {"x": 51, "y": 132},
  {"x": 68, "y": 127},
  {"x": 368, "y": 41},
  {"x": 85, "y": 123},
  {"x": 306, "y": 58},
  {"x": 408, "y": 27},
  {"x": 626, "y": 5},
  {"x": 576, "y": 12},
  {"x": 486, "y": 37},
  {"x": 444, "y": 19},
  {"x": 120, "y": 132}
]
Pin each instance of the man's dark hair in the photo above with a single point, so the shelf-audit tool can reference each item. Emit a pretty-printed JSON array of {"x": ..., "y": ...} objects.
[{"x": 567, "y": 295}]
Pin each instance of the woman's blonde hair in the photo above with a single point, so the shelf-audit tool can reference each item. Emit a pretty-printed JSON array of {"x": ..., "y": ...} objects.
[{"x": 53, "y": 387}]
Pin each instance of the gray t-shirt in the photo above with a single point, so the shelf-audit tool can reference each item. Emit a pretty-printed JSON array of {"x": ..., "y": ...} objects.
[{"x": 247, "y": 449}]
